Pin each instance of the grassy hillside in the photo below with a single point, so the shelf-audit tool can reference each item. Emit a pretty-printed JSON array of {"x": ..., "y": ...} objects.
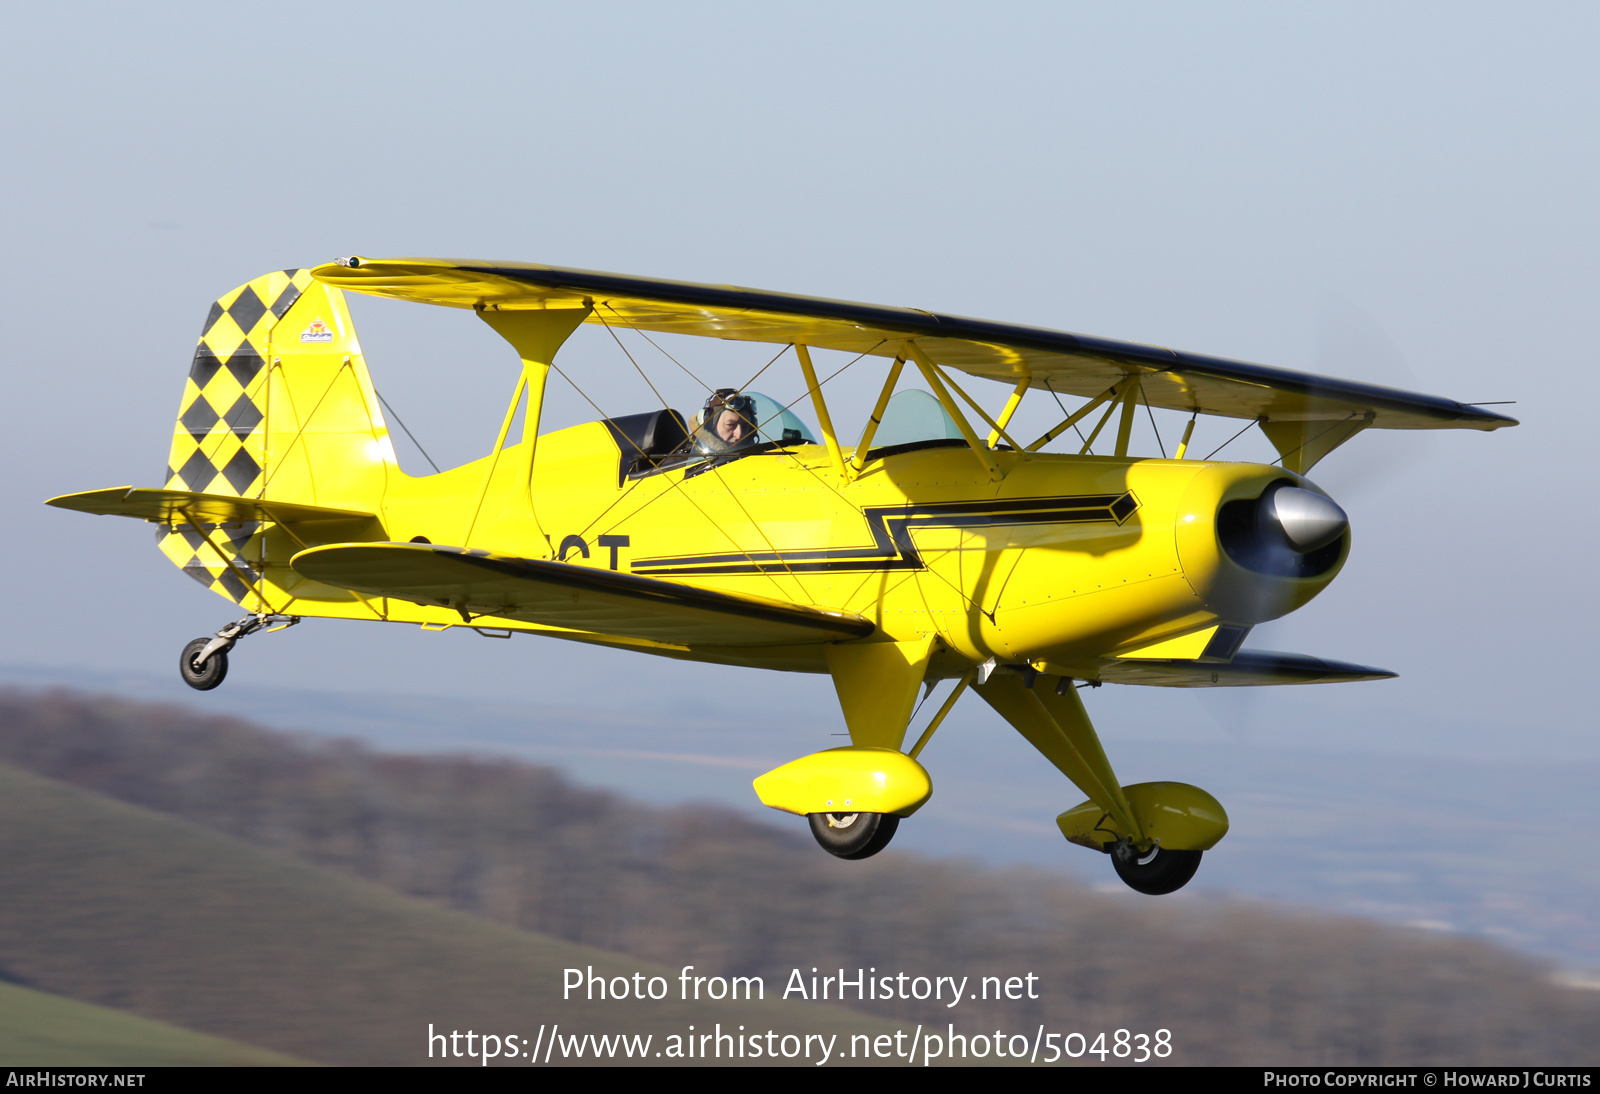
[
  {"x": 124, "y": 908},
  {"x": 40, "y": 1030},
  {"x": 332, "y": 962}
]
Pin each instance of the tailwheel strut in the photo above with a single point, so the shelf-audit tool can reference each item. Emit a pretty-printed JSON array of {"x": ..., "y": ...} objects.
[{"x": 204, "y": 662}]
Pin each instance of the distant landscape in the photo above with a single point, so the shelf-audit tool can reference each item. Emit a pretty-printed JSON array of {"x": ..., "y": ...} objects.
[
  {"x": 326, "y": 901},
  {"x": 1503, "y": 850}
]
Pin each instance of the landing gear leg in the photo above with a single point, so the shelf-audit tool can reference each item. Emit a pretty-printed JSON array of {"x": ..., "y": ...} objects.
[
  {"x": 1054, "y": 721},
  {"x": 204, "y": 662},
  {"x": 877, "y": 684}
]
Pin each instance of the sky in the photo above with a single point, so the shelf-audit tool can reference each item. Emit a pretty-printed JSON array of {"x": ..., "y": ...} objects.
[{"x": 1401, "y": 194}]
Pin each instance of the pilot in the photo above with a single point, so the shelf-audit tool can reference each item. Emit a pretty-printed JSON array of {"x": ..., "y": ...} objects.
[{"x": 727, "y": 422}]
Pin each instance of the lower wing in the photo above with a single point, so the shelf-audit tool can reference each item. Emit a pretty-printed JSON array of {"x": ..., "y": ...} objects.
[{"x": 481, "y": 583}]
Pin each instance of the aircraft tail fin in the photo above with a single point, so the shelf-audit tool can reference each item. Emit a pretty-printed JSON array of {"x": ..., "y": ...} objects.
[{"x": 277, "y": 406}]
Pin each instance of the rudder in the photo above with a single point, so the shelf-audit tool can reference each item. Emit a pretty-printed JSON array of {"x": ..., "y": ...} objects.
[{"x": 278, "y": 404}]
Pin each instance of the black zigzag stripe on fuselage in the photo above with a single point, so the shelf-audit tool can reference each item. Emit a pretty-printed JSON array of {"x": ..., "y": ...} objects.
[{"x": 892, "y": 548}]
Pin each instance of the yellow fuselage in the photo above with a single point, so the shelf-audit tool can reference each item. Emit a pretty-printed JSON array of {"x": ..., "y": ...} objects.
[{"x": 1066, "y": 562}]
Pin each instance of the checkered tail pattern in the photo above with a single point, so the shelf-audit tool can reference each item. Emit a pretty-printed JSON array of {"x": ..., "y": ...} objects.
[{"x": 219, "y": 441}]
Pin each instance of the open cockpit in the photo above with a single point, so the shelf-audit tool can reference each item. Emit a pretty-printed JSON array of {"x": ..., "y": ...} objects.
[{"x": 663, "y": 440}]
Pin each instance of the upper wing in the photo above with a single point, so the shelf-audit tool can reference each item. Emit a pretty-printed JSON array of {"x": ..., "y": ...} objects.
[
  {"x": 561, "y": 594},
  {"x": 171, "y": 506},
  {"x": 1248, "y": 667},
  {"x": 1071, "y": 363}
]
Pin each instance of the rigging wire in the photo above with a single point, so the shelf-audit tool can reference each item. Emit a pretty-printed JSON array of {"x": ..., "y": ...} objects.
[
  {"x": 1231, "y": 439},
  {"x": 678, "y": 485},
  {"x": 820, "y": 383},
  {"x": 826, "y": 485},
  {"x": 408, "y": 433},
  {"x": 1153, "y": 426},
  {"x": 762, "y": 532},
  {"x": 766, "y": 366},
  {"x": 658, "y": 346},
  {"x": 1065, "y": 413},
  {"x": 665, "y": 405}
]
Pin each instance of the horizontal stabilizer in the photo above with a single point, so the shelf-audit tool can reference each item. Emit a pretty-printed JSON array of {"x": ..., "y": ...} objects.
[
  {"x": 1248, "y": 668},
  {"x": 568, "y": 595},
  {"x": 174, "y": 506}
]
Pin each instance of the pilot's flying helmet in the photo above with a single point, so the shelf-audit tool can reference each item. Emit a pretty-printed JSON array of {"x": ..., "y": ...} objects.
[{"x": 728, "y": 398}]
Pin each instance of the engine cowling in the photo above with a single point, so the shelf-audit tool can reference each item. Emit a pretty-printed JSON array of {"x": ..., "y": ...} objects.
[{"x": 1256, "y": 542}]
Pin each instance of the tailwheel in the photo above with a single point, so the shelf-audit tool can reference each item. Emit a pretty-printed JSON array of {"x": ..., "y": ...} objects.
[
  {"x": 202, "y": 675},
  {"x": 854, "y": 835},
  {"x": 204, "y": 662},
  {"x": 1155, "y": 872}
]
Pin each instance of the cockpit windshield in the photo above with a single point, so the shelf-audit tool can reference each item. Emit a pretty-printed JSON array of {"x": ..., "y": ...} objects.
[
  {"x": 767, "y": 422},
  {"x": 731, "y": 425}
]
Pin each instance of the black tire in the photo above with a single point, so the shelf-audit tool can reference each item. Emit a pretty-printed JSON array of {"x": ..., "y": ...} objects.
[
  {"x": 202, "y": 677},
  {"x": 853, "y": 835},
  {"x": 1166, "y": 873}
]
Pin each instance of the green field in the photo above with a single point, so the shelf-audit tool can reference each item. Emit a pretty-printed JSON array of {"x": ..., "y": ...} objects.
[
  {"x": 40, "y": 1030},
  {"x": 117, "y": 906}
]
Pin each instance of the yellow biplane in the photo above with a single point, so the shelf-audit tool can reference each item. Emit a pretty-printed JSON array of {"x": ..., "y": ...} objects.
[{"x": 938, "y": 547}]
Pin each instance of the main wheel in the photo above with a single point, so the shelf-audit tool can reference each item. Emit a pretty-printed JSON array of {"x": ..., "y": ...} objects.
[
  {"x": 202, "y": 677},
  {"x": 1157, "y": 871},
  {"x": 853, "y": 835}
]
